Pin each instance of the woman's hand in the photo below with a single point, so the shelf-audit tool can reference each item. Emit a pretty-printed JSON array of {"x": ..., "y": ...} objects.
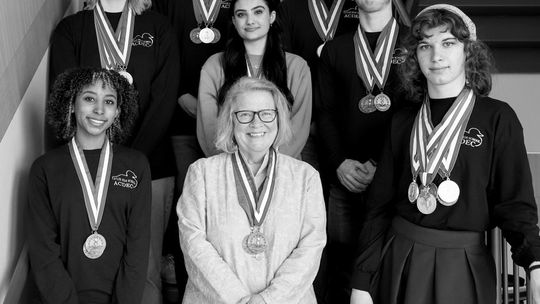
[
  {"x": 189, "y": 104},
  {"x": 534, "y": 285},
  {"x": 360, "y": 297}
]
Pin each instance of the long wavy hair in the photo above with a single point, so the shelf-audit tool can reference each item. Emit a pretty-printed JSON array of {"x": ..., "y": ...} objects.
[
  {"x": 71, "y": 83},
  {"x": 139, "y": 6},
  {"x": 478, "y": 62},
  {"x": 274, "y": 65}
]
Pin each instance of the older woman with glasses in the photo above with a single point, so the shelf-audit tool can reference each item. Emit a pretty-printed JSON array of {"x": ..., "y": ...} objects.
[{"x": 252, "y": 220}]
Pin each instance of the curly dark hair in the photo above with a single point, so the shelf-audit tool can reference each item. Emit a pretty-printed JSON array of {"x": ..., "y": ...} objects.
[
  {"x": 70, "y": 84},
  {"x": 478, "y": 62}
]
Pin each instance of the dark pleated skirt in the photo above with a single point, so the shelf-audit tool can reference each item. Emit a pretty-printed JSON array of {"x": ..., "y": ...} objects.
[{"x": 429, "y": 266}]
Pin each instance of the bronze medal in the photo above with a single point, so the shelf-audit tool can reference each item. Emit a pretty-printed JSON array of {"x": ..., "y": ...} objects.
[
  {"x": 413, "y": 192},
  {"x": 365, "y": 105},
  {"x": 94, "y": 246},
  {"x": 448, "y": 192},
  {"x": 194, "y": 35},
  {"x": 382, "y": 102},
  {"x": 217, "y": 35},
  {"x": 255, "y": 242},
  {"x": 206, "y": 35}
]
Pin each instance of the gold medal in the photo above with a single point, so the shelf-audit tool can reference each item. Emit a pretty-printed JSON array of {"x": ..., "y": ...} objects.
[
  {"x": 126, "y": 75},
  {"x": 365, "y": 105},
  {"x": 94, "y": 246},
  {"x": 194, "y": 35},
  {"x": 206, "y": 35},
  {"x": 255, "y": 242},
  {"x": 382, "y": 102},
  {"x": 217, "y": 35},
  {"x": 448, "y": 192},
  {"x": 413, "y": 192}
]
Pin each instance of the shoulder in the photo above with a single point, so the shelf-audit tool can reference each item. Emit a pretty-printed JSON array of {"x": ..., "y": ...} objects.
[
  {"x": 496, "y": 110},
  {"x": 133, "y": 155},
  {"x": 54, "y": 158},
  {"x": 294, "y": 60},
  {"x": 213, "y": 62},
  {"x": 74, "y": 21},
  {"x": 153, "y": 17},
  {"x": 295, "y": 167},
  {"x": 212, "y": 163}
]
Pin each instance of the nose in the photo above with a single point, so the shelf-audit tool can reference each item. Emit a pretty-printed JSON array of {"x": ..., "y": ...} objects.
[
  {"x": 436, "y": 54},
  {"x": 99, "y": 107},
  {"x": 249, "y": 19},
  {"x": 256, "y": 121}
]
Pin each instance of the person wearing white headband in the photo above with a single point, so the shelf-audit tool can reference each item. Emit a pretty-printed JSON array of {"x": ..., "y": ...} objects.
[{"x": 453, "y": 167}]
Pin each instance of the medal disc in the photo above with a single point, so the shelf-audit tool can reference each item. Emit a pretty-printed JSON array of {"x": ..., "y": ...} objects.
[
  {"x": 426, "y": 202},
  {"x": 217, "y": 35},
  {"x": 255, "y": 242},
  {"x": 382, "y": 102},
  {"x": 127, "y": 76},
  {"x": 319, "y": 49},
  {"x": 448, "y": 193},
  {"x": 94, "y": 246},
  {"x": 194, "y": 35},
  {"x": 206, "y": 35},
  {"x": 413, "y": 192},
  {"x": 365, "y": 105}
]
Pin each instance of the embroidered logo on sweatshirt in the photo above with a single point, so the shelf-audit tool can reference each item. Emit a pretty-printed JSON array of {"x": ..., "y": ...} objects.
[
  {"x": 351, "y": 13},
  {"x": 128, "y": 180},
  {"x": 472, "y": 137},
  {"x": 225, "y": 4},
  {"x": 144, "y": 39},
  {"x": 399, "y": 56}
]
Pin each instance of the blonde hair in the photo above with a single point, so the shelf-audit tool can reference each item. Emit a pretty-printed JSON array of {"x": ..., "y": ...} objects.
[
  {"x": 139, "y": 6},
  {"x": 225, "y": 135}
]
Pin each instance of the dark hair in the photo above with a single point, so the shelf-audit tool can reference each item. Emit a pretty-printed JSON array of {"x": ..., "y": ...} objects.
[
  {"x": 274, "y": 65},
  {"x": 70, "y": 84},
  {"x": 478, "y": 62}
]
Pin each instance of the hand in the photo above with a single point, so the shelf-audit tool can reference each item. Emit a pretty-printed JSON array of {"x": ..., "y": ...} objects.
[
  {"x": 534, "y": 285},
  {"x": 354, "y": 175},
  {"x": 256, "y": 299},
  {"x": 360, "y": 297},
  {"x": 188, "y": 103}
]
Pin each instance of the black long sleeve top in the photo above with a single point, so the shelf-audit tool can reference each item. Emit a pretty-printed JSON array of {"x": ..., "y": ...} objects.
[{"x": 493, "y": 174}]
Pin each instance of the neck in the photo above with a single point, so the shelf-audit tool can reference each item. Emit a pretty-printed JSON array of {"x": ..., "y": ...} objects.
[
  {"x": 256, "y": 47},
  {"x": 90, "y": 142},
  {"x": 113, "y": 6},
  {"x": 375, "y": 21},
  {"x": 254, "y": 160},
  {"x": 445, "y": 91}
]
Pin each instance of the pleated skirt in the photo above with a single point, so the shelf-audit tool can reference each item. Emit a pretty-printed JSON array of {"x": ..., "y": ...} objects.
[{"x": 429, "y": 266}]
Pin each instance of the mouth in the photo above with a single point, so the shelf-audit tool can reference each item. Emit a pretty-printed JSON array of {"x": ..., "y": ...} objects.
[
  {"x": 256, "y": 134},
  {"x": 438, "y": 69},
  {"x": 96, "y": 122},
  {"x": 251, "y": 29}
]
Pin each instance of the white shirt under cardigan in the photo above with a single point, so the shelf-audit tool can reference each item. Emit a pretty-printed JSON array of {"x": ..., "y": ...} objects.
[{"x": 212, "y": 227}]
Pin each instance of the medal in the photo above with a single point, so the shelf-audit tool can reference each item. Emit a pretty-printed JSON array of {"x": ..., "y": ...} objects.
[
  {"x": 194, "y": 35},
  {"x": 206, "y": 35},
  {"x": 217, "y": 35},
  {"x": 127, "y": 76},
  {"x": 366, "y": 104},
  {"x": 413, "y": 192},
  {"x": 426, "y": 202},
  {"x": 255, "y": 207},
  {"x": 382, "y": 102},
  {"x": 319, "y": 49},
  {"x": 448, "y": 192},
  {"x": 94, "y": 246},
  {"x": 95, "y": 195}
]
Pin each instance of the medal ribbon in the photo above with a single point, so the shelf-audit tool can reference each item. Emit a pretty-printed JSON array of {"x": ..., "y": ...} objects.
[
  {"x": 324, "y": 20},
  {"x": 204, "y": 15},
  {"x": 433, "y": 147},
  {"x": 251, "y": 70},
  {"x": 114, "y": 46},
  {"x": 374, "y": 67},
  {"x": 255, "y": 208},
  {"x": 95, "y": 195}
]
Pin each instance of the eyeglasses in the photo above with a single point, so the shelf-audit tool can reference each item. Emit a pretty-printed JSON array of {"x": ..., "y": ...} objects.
[{"x": 266, "y": 115}]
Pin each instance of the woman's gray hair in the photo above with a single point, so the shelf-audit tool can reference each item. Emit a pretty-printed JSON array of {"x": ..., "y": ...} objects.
[
  {"x": 139, "y": 6},
  {"x": 225, "y": 125}
]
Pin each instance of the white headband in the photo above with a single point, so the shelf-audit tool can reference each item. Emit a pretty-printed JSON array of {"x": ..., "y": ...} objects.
[{"x": 468, "y": 22}]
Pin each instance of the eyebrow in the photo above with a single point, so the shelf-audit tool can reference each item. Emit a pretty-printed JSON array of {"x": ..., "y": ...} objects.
[{"x": 254, "y": 8}]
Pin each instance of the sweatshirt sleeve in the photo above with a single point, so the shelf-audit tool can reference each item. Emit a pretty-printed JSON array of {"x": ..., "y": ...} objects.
[
  {"x": 296, "y": 274},
  {"x": 132, "y": 272},
  {"x": 511, "y": 190},
  {"x": 299, "y": 82},
  {"x": 163, "y": 94},
  {"x": 52, "y": 279},
  {"x": 206, "y": 268},
  {"x": 211, "y": 80}
]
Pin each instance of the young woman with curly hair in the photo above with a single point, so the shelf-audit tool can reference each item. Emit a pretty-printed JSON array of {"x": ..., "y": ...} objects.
[
  {"x": 454, "y": 166},
  {"x": 254, "y": 49},
  {"x": 89, "y": 202}
]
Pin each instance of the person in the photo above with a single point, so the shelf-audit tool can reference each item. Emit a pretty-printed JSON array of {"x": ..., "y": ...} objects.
[
  {"x": 464, "y": 153},
  {"x": 189, "y": 17},
  {"x": 146, "y": 52},
  {"x": 355, "y": 69},
  {"x": 254, "y": 49},
  {"x": 89, "y": 200},
  {"x": 252, "y": 220}
]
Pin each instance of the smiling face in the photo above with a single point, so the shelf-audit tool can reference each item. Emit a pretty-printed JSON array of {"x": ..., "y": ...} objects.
[
  {"x": 95, "y": 110},
  {"x": 252, "y": 19},
  {"x": 441, "y": 57},
  {"x": 254, "y": 139}
]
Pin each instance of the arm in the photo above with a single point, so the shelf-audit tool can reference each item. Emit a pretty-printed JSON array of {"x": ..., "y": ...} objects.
[
  {"x": 207, "y": 109},
  {"x": 132, "y": 273},
  {"x": 299, "y": 82},
  {"x": 52, "y": 279},
  {"x": 163, "y": 95},
  {"x": 296, "y": 274},
  {"x": 63, "y": 53},
  {"x": 206, "y": 268},
  {"x": 188, "y": 103}
]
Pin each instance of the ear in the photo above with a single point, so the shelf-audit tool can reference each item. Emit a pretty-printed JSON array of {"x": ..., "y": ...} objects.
[
  {"x": 233, "y": 21},
  {"x": 272, "y": 17}
]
